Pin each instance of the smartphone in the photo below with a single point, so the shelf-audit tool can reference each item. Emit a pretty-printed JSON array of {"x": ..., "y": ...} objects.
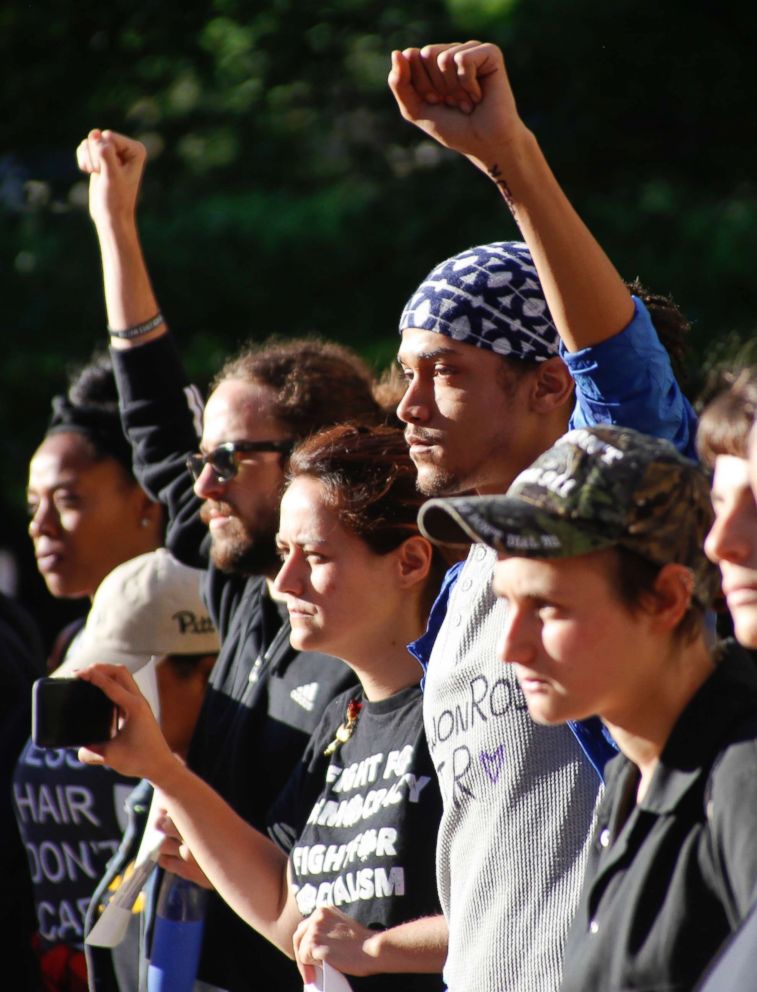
[{"x": 70, "y": 713}]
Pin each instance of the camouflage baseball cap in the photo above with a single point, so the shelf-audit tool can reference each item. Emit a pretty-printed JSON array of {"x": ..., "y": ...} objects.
[{"x": 595, "y": 488}]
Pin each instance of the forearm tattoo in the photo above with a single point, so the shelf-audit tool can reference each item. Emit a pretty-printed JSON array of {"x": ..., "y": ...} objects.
[{"x": 496, "y": 174}]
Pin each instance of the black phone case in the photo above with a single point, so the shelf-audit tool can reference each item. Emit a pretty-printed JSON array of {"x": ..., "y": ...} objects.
[{"x": 70, "y": 713}]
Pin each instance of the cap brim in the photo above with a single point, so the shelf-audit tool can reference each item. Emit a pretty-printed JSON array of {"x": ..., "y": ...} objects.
[
  {"x": 509, "y": 525},
  {"x": 88, "y": 655}
]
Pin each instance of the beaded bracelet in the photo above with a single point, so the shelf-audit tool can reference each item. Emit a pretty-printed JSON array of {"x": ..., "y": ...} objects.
[{"x": 138, "y": 330}]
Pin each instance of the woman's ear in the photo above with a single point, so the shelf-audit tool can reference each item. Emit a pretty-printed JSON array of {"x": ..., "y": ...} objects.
[
  {"x": 149, "y": 513},
  {"x": 414, "y": 561},
  {"x": 670, "y": 596},
  {"x": 551, "y": 387}
]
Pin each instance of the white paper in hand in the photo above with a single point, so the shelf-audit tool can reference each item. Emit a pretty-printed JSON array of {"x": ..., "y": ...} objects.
[
  {"x": 110, "y": 929},
  {"x": 328, "y": 979}
]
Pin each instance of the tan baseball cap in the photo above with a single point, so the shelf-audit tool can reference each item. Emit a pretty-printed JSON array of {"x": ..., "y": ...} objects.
[{"x": 149, "y": 606}]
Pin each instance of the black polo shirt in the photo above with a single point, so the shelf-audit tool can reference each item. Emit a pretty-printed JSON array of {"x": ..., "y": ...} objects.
[
  {"x": 734, "y": 968},
  {"x": 669, "y": 879}
]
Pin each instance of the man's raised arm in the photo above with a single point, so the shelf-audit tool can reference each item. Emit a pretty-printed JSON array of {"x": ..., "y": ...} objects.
[
  {"x": 115, "y": 165},
  {"x": 160, "y": 410},
  {"x": 460, "y": 95}
]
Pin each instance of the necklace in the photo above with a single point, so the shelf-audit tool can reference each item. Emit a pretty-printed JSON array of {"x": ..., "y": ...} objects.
[{"x": 345, "y": 730}]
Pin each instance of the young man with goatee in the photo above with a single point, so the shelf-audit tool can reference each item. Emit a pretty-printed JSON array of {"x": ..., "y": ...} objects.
[{"x": 503, "y": 348}]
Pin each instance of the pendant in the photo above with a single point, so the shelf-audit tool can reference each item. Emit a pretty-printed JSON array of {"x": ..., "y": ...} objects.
[{"x": 346, "y": 729}]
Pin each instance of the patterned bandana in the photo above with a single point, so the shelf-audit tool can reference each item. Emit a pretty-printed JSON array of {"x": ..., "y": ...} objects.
[
  {"x": 595, "y": 488},
  {"x": 489, "y": 297}
]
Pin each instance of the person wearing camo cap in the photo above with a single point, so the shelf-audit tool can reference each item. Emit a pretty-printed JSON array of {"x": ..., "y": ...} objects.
[{"x": 601, "y": 563}]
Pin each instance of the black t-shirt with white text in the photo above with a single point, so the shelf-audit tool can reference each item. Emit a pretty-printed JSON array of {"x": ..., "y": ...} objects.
[{"x": 360, "y": 825}]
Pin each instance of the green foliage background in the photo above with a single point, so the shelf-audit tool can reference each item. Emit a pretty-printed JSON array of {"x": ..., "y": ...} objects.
[{"x": 286, "y": 195}]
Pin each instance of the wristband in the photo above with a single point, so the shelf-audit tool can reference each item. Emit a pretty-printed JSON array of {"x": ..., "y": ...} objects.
[{"x": 138, "y": 329}]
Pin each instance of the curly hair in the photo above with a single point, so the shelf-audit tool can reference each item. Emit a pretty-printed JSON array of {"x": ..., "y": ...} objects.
[
  {"x": 315, "y": 383},
  {"x": 89, "y": 408},
  {"x": 672, "y": 326}
]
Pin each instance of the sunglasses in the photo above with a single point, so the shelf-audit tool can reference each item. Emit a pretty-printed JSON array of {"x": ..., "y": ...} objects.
[{"x": 224, "y": 460}]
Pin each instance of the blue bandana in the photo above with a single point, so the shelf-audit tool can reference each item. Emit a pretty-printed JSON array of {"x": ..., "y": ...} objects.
[{"x": 490, "y": 297}]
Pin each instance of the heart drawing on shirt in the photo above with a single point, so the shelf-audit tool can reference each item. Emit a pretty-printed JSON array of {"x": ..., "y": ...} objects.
[{"x": 493, "y": 762}]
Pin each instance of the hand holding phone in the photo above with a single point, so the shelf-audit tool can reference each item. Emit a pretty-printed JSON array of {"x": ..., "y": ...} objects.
[
  {"x": 68, "y": 712},
  {"x": 121, "y": 731}
]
